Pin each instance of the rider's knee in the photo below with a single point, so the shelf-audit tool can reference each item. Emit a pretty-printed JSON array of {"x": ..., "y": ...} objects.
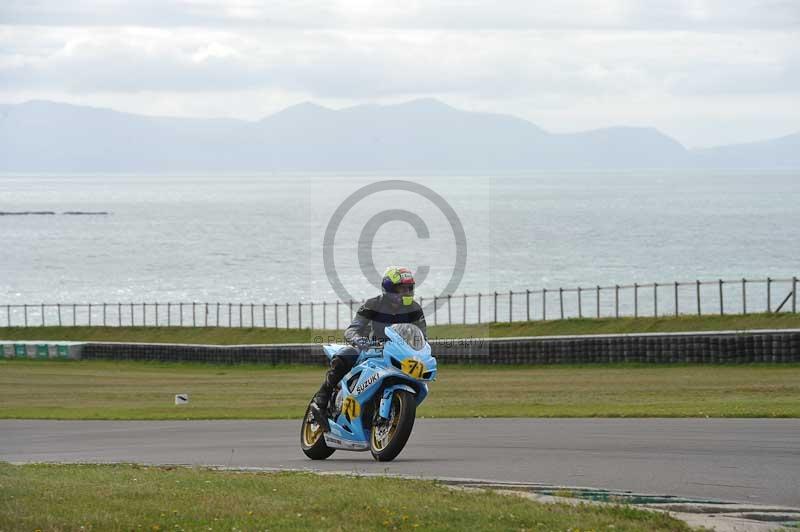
[{"x": 345, "y": 358}]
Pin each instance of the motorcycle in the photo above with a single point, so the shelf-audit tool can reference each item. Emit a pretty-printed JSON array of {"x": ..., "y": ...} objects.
[{"x": 374, "y": 406}]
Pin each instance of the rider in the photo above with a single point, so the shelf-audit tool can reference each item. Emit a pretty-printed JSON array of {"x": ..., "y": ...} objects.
[{"x": 395, "y": 305}]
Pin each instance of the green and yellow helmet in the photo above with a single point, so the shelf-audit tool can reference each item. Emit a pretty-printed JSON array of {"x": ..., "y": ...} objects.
[{"x": 398, "y": 285}]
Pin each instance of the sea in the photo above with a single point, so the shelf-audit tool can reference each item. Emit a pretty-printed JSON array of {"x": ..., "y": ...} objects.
[{"x": 277, "y": 239}]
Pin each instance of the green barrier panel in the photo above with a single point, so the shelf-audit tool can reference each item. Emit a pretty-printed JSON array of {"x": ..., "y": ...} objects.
[
  {"x": 63, "y": 351},
  {"x": 41, "y": 351},
  {"x": 20, "y": 351}
]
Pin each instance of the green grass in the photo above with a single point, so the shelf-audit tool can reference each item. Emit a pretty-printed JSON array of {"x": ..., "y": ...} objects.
[
  {"x": 228, "y": 336},
  {"x": 52, "y": 389},
  {"x": 129, "y": 497}
]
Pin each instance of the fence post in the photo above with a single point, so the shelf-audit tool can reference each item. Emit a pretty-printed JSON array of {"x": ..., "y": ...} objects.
[
  {"x": 510, "y": 306},
  {"x": 43, "y": 315},
  {"x": 180, "y": 319},
  {"x": 655, "y": 300},
  {"x": 449, "y": 309},
  {"x": 205, "y": 320},
  {"x": 598, "y": 301},
  {"x": 721, "y": 306},
  {"x": 324, "y": 318},
  {"x": 299, "y": 315},
  {"x": 241, "y": 315},
  {"x": 544, "y": 304},
  {"x": 217, "y": 320},
  {"x": 495, "y": 307},
  {"x": 435, "y": 304},
  {"x": 264, "y": 314},
  {"x": 580, "y": 303},
  {"x": 561, "y": 301},
  {"x": 144, "y": 314},
  {"x": 230, "y": 315},
  {"x": 699, "y": 307},
  {"x": 156, "y": 307},
  {"x": 479, "y": 307},
  {"x": 794, "y": 295},
  {"x": 616, "y": 301},
  {"x": 25, "y": 312},
  {"x": 744, "y": 296},
  {"x": 74, "y": 312},
  {"x": 464, "y": 310},
  {"x": 104, "y": 314},
  {"x": 194, "y": 314},
  {"x": 676, "y": 298},
  {"x": 769, "y": 295},
  {"x": 59, "y": 314},
  {"x": 635, "y": 300},
  {"x": 252, "y": 315},
  {"x": 351, "y": 308},
  {"x": 132, "y": 320},
  {"x": 287, "y": 314},
  {"x": 527, "y": 304},
  {"x": 90, "y": 314},
  {"x": 8, "y": 315}
]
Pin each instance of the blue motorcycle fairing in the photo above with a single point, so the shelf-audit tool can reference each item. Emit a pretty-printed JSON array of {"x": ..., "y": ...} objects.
[
  {"x": 371, "y": 370},
  {"x": 385, "y": 408},
  {"x": 349, "y": 429},
  {"x": 332, "y": 349},
  {"x": 398, "y": 350}
]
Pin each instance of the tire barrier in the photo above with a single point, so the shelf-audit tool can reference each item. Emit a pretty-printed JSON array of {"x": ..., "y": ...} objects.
[
  {"x": 728, "y": 347},
  {"x": 655, "y": 348}
]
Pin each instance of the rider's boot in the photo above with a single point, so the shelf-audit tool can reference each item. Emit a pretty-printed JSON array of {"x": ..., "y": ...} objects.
[{"x": 319, "y": 404}]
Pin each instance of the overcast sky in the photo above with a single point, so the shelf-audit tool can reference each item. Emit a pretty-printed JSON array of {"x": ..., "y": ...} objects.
[{"x": 706, "y": 72}]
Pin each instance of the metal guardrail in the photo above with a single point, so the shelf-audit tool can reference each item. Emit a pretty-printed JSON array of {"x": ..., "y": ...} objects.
[{"x": 718, "y": 297}]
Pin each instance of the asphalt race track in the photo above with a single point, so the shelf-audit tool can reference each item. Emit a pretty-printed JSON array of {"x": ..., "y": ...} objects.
[{"x": 744, "y": 460}]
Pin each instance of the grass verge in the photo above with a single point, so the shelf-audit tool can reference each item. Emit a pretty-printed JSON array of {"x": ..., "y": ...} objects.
[
  {"x": 129, "y": 497},
  {"x": 89, "y": 389},
  {"x": 228, "y": 336}
]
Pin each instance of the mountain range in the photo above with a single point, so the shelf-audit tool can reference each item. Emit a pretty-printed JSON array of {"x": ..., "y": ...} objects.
[{"x": 419, "y": 136}]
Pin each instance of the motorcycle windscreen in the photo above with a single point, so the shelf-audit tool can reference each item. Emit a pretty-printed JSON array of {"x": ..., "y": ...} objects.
[{"x": 411, "y": 335}]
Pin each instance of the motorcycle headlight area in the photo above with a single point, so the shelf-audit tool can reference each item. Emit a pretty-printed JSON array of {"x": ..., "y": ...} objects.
[{"x": 414, "y": 368}]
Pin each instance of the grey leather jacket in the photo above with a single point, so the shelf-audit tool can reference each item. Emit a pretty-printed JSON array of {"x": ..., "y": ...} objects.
[{"x": 378, "y": 313}]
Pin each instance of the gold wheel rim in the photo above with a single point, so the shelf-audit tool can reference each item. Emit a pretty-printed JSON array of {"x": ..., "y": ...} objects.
[
  {"x": 310, "y": 436},
  {"x": 377, "y": 444}
]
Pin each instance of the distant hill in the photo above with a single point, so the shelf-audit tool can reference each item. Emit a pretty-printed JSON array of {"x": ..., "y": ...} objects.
[
  {"x": 783, "y": 152},
  {"x": 416, "y": 137}
]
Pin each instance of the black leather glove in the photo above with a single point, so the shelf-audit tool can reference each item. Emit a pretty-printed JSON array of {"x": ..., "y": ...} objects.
[{"x": 362, "y": 344}]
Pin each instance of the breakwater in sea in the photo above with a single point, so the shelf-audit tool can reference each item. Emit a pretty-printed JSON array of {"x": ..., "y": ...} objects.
[{"x": 53, "y": 213}]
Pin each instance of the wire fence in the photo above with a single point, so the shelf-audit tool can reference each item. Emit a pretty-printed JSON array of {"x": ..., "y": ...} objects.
[{"x": 718, "y": 297}]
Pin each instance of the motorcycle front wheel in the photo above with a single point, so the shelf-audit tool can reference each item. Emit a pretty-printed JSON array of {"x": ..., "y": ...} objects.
[
  {"x": 389, "y": 438},
  {"x": 311, "y": 440}
]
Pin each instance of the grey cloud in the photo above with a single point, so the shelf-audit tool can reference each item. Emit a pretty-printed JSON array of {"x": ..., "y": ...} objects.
[
  {"x": 445, "y": 14},
  {"x": 759, "y": 78},
  {"x": 345, "y": 65}
]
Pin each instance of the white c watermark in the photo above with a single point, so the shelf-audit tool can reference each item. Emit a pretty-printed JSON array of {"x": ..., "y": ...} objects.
[{"x": 370, "y": 229}]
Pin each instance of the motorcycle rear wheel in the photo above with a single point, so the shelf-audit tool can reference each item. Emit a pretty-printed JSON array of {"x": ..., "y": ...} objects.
[
  {"x": 311, "y": 438},
  {"x": 388, "y": 439}
]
